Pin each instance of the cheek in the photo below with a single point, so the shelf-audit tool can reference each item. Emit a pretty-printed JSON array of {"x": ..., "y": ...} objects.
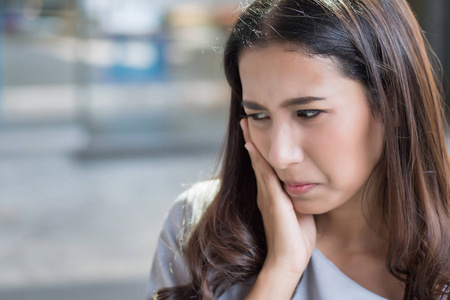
[
  {"x": 350, "y": 151},
  {"x": 260, "y": 139}
]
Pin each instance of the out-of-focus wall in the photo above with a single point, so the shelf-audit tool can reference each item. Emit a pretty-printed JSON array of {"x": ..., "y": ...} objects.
[
  {"x": 434, "y": 18},
  {"x": 115, "y": 67},
  {"x": 108, "y": 110}
]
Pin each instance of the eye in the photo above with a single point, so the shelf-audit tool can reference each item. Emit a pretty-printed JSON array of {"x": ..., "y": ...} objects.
[
  {"x": 258, "y": 116},
  {"x": 308, "y": 113}
]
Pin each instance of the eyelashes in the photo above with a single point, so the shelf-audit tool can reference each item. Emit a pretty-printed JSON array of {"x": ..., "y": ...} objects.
[
  {"x": 308, "y": 113},
  {"x": 256, "y": 116},
  {"x": 304, "y": 114}
]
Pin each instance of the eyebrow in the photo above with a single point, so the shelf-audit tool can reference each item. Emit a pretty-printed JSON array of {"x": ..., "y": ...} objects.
[{"x": 249, "y": 104}]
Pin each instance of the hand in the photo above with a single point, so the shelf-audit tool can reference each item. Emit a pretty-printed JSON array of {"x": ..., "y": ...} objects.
[{"x": 291, "y": 236}]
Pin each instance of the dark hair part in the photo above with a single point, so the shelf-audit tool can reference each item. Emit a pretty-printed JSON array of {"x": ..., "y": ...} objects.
[{"x": 379, "y": 44}]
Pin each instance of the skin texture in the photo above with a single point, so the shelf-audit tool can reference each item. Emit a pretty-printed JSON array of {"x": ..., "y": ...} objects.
[
  {"x": 337, "y": 149},
  {"x": 312, "y": 159},
  {"x": 287, "y": 258}
]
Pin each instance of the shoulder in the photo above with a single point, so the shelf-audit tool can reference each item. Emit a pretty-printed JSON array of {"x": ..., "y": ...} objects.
[
  {"x": 187, "y": 210},
  {"x": 191, "y": 204},
  {"x": 199, "y": 196},
  {"x": 169, "y": 266}
]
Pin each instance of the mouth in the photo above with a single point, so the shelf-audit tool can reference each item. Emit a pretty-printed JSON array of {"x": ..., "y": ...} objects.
[{"x": 294, "y": 188}]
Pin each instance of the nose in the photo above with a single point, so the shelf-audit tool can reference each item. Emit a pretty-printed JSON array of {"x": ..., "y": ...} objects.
[{"x": 286, "y": 147}]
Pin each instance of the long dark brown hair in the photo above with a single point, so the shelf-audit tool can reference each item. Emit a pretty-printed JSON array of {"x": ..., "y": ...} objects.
[{"x": 379, "y": 44}]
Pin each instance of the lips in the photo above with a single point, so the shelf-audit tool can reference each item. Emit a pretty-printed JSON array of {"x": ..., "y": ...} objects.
[{"x": 297, "y": 188}]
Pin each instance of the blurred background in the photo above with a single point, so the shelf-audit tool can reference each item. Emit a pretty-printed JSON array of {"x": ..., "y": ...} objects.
[{"x": 108, "y": 110}]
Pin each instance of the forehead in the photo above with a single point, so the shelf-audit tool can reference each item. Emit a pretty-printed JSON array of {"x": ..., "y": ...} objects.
[
  {"x": 281, "y": 69},
  {"x": 286, "y": 51}
]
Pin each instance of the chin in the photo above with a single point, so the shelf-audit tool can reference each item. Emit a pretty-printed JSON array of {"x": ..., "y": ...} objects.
[{"x": 309, "y": 207}]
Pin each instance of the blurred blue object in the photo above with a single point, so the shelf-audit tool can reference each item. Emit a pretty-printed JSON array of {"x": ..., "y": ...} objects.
[{"x": 137, "y": 60}]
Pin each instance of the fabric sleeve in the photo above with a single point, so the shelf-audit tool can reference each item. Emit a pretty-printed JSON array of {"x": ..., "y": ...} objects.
[{"x": 169, "y": 267}]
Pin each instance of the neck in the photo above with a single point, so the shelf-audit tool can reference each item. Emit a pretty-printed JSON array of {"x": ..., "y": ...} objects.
[{"x": 347, "y": 229}]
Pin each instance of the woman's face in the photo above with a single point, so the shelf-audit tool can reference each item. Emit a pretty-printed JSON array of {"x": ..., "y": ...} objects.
[{"x": 313, "y": 126}]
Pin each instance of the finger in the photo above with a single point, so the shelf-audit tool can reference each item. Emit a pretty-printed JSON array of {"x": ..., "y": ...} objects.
[
  {"x": 254, "y": 153},
  {"x": 245, "y": 131},
  {"x": 263, "y": 170},
  {"x": 260, "y": 165}
]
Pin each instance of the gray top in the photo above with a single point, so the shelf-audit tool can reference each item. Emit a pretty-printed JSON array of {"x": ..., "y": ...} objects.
[{"x": 321, "y": 279}]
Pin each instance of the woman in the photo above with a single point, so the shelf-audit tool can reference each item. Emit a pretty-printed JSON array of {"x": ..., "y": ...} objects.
[{"x": 335, "y": 175}]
